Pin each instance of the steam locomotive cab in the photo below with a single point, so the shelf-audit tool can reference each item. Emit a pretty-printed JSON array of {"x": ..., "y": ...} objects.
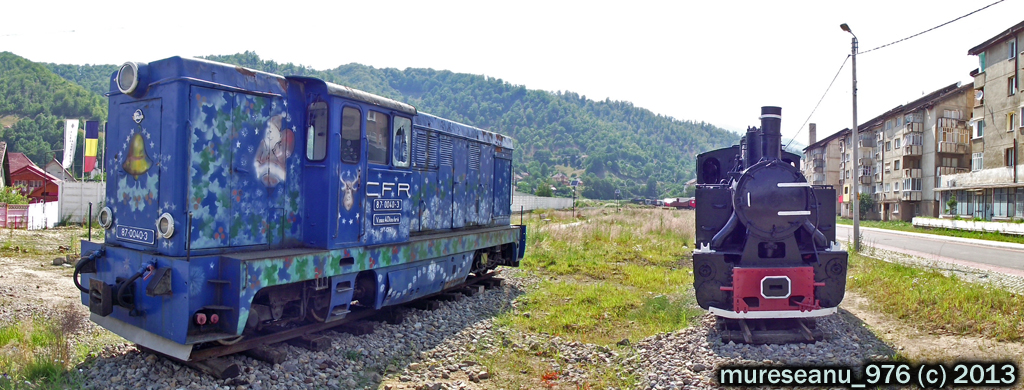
[{"x": 765, "y": 236}]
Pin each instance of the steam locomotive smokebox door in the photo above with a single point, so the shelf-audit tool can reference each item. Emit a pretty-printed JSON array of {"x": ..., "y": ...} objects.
[{"x": 135, "y": 158}]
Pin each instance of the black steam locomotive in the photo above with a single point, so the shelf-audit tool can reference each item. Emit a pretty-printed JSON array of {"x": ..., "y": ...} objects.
[{"x": 765, "y": 236}]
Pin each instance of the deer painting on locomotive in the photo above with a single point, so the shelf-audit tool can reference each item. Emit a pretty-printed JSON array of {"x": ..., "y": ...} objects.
[
  {"x": 243, "y": 200},
  {"x": 765, "y": 236}
]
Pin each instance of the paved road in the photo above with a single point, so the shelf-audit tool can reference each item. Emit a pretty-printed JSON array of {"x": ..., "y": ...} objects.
[{"x": 974, "y": 253}]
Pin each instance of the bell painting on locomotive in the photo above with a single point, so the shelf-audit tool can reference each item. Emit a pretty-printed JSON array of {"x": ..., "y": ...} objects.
[
  {"x": 239, "y": 202},
  {"x": 765, "y": 236}
]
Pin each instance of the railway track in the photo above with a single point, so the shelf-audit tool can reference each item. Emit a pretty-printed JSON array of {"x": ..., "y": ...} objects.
[{"x": 211, "y": 359}]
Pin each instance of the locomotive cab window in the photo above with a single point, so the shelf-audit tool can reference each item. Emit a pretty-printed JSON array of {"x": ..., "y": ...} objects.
[
  {"x": 401, "y": 136},
  {"x": 316, "y": 132},
  {"x": 377, "y": 137},
  {"x": 350, "y": 145}
]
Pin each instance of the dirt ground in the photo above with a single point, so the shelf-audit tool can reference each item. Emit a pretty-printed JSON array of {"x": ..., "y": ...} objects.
[{"x": 30, "y": 283}]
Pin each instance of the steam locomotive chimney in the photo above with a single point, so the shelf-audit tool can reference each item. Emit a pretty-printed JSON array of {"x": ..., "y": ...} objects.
[
  {"x": 753, "y": 146},
  {"x": 771, "y": 128}
]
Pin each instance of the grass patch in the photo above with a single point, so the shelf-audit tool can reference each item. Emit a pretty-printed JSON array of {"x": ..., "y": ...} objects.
[
  {"x": 909, "y": 227},
  {"x": 619, "y": 275},
  {"x": 38, "y": 352},
  {"x": 938, "y": 303}
]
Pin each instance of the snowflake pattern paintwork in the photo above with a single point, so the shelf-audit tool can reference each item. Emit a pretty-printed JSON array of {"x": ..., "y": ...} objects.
[{"x": 240, "y": 195}]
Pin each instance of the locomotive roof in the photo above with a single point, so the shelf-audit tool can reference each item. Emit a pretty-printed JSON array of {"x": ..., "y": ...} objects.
[
  {"x": 355, "y": 94},
  {"x": 239, "y": 77},
  {"x": 424, "y": 120}
]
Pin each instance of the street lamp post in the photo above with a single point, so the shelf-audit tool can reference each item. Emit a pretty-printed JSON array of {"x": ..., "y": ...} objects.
[{"x": 855, "y": 140}]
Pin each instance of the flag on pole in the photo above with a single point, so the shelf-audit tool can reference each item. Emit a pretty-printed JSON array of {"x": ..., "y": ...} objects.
[
  {"x": 70, "y": 139},
  {"x": 92, "y": 135}
]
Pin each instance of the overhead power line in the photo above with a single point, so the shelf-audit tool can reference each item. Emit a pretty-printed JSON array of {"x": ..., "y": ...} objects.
[
  {"x": 930, "y": 29},
  {"x": 819, "y": 101}
]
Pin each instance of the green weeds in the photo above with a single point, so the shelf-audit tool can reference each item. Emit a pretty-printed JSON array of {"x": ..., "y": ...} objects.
[
  {"x": 620, "y": 274},
  {"x": 938, "y": 303},
  {"x": 38, "y": 352}
]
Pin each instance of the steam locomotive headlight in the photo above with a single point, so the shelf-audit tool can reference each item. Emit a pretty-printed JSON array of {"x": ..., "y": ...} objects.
[
  {"x": 106, "y": 218},
  {"x": 165, "y": 225},
  {"x": 128, "y": 77}
]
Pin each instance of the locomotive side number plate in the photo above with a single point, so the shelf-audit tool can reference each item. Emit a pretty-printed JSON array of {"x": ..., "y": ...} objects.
[
  {"x": 387, "y": 205},
  {"x": 134, "y": 234},
  {"x": 386, "y": 219}
]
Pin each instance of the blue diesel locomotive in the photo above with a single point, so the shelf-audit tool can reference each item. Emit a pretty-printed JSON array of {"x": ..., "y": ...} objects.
[{"x": 239, "y": 202}]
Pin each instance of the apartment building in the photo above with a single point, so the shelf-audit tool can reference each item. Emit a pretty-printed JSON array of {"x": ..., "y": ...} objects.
[
  {"x": 902, "y": 151},
  {"x": 823, "y": 160},
  {"x": 913, "y": 145},
  {"x": 994, "y": 187}
]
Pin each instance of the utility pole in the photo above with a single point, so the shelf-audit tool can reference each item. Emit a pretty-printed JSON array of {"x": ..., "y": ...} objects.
[{"x": 855, "y": 142}]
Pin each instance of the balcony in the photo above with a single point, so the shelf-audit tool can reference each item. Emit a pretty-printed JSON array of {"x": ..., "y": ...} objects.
[
  {"x": 952, "y": 147},
  {"x": 878, "y": 177},
  {"x": 818, "y": 178},
  {"x": 818, "y": 164},
  {"x": 879, "y": 196},
  {"x": 913, "y": 127},
  {"x": 913, "y": 150},
  {"x": 950, "y": 170},
  {"x": 866, "y": 142},
  {"x": 867, "y": 160},
  {"x": 912, "y": 173},
  {"x": 951, "y": 123},
  {"x": 911, "y": 195},
  {"x": 866, "y": 180}
]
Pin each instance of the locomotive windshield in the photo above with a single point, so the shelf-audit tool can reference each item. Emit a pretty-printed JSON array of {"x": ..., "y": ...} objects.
[
  {"x": 316, "y": 134},
  {"x": 377, "y": 137},
  {"x": 350, "y": 145}
]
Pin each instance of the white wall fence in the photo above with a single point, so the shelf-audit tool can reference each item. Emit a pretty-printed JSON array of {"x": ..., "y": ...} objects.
[
  {"x": 977, "y": 226},
  {"x": 75, "y": 198},
  {"x": 43, "y": 215},
  {"x": 531, "y": 202}
]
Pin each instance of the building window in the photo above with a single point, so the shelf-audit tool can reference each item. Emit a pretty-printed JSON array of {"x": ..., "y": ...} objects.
[
  {"x": 888, "y": 146},
  {"x": 1011, "y": 85},
  {"x": 1012, "y": 46},
  {"x": 979, "y": 128},
  {"x": 888, "y": 187},
  {"x": 896, "y": 165},
  {"x": 912, "y": 184},
  {"x": 1008, "y": 157},
  {"x": 1010, "y": 116},
  {"x": 896, "y": 143},
  {"x": 976, "y": 161},
  {"x": 896, "y": 208},
  {"x": 999, "y": 208}
]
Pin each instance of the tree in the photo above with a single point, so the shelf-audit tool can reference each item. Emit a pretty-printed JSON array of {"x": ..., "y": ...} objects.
[
  {"x": 951, "y": 205},
  {"x": 544, "y": 190},
  {"x": 867, "y": 203},
  {"x": 652, "y": 187}
]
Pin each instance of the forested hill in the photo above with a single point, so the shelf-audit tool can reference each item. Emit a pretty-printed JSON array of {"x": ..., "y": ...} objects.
[
  {"x": 34, "y": 103},
  {"x": 610, "y": 144},
  {"x": 28, "y": 89}
]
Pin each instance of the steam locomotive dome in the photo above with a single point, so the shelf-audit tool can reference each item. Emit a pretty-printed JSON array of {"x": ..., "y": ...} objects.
[{"x": 771, "y": 198}]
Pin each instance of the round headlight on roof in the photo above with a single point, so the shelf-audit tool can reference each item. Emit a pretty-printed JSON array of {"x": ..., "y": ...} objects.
[
  {"x": 106, "y": 218},
  {"x": 165, "y": 225},
  {"x": 128, "y": 77}
]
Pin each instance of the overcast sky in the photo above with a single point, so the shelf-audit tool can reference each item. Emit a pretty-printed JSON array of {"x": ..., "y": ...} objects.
[{"x": 712, "y": 61}]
